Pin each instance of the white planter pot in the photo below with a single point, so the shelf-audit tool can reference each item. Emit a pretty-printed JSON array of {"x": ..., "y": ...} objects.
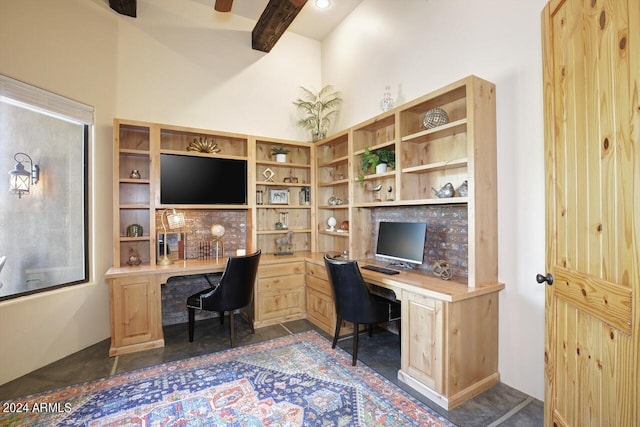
[
  {"x": 382, "y": 167},
  {"x": 281, "y": 158}
]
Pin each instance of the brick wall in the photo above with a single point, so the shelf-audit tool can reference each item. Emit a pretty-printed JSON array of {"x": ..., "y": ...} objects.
[
  {"x": 447, "y": 232},
  {"x": 198, "y": 229}
]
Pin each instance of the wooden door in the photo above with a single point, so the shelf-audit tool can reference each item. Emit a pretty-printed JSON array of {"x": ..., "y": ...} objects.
[{"x": 591, "y": 67}]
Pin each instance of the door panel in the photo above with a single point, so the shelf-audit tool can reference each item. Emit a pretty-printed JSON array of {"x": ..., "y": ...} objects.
[{"x": 591, "y": 73}]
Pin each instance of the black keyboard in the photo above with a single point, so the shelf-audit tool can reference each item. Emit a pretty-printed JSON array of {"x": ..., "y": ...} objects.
[{"x": 380, "y": 269}]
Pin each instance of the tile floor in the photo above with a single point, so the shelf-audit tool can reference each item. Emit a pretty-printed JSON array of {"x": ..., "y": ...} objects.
[{"x": 499, "y": 406}]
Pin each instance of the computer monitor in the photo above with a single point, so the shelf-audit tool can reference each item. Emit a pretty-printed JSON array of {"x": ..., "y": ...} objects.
[{"x": 401, "y": 241}]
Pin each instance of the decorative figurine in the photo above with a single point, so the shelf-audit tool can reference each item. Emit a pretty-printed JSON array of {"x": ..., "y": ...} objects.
[
  {"x": 134, "y": 259},
  {"x": 284, "y": 244}
]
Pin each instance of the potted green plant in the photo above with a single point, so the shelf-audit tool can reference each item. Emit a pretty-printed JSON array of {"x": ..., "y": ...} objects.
[
  {"x": 280, "y": 153},
  {"x": 319, "y": 109},
  {"x": 377, "y": 160}
]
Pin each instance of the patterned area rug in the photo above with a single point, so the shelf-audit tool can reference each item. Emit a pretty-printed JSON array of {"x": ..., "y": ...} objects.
[{"x": 298, "y": 380}]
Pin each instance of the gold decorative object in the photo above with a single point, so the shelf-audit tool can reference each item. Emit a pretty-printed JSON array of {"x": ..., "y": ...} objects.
[
  {"x": 441, "y": 269},
  {"x": 203, "y": 145},
  {"x": 268, "y": 175}
]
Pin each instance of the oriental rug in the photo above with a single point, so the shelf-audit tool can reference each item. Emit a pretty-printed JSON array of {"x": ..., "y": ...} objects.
[{"x": 297, "y": 380}]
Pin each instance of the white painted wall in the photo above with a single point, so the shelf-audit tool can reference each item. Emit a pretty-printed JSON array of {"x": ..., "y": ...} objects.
[
  {"x": 417, "y": 46},
  {"x": 179, "y": 63},
  {"x": 191, "y": 66}
]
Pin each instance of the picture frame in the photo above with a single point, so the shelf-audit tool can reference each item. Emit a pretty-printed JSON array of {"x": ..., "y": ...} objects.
[
  {"x": 278, "y": 197},
  {"x": 176, "y": 245}
]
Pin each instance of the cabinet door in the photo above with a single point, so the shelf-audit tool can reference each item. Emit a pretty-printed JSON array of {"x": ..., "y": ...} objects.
[
  {"x": 135, "y": 314},
  {"x": 423, "y": 340},
  {"x": 280, "y": 292},
  {"x": 320, "y": 307}
]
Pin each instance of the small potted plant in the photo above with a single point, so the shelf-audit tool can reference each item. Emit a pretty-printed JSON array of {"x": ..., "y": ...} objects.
[
  {"x": 377, "y": 160},
  {"x": 280, "y": 153},
  {"x": 319, "y": 109}
]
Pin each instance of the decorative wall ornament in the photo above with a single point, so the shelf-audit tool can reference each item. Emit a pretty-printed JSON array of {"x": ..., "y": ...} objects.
[{"x": 203, "y": 145}]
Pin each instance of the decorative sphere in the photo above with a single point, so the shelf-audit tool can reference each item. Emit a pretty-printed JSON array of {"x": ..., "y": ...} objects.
[
  {"x": 435, "y": 117},
  {"x": 332, "y": 223},
  {"x": 217, "y": 230}
]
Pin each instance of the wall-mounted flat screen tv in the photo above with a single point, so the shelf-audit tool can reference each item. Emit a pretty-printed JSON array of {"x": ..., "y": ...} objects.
[{"x": 195, "y": 180}]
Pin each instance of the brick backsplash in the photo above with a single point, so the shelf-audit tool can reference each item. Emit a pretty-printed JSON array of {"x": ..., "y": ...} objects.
[
  {"x": 198, "y": 229},
  {"x": 447, "y": 232}
]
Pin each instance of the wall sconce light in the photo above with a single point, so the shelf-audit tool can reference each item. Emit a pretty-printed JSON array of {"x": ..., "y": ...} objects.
[
  {"x": 175, "y": 220},
  {"x": 20, "y": 179}
]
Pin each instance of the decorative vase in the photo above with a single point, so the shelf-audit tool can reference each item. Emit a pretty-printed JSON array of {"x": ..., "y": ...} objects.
[
  {"x": 381, "y": 168},
  {"x": 317, "y": 136},
  {"x": 387, "y": 103},
  {"x": 281, "y": 158},
  {"x": 134, "y": 230}
]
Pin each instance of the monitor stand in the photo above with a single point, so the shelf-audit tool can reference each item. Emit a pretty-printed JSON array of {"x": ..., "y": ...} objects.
[{"x": 405, "y": 265}]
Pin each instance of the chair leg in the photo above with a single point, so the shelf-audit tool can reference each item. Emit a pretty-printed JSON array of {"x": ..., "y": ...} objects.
[
  {"x": 221, "y": 313},
  {"x": 337, "y": 332},
  {"x": 370, "y": 329},
  {"x": 354, "y": 357},
  {"x": 192, "y": 318},
  {"x": 231, "y": 329}
]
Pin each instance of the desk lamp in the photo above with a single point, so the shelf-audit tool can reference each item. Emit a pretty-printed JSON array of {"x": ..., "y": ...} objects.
[
  {"x": 217, "y": 231},
  {"x": 175, "y": 220}
]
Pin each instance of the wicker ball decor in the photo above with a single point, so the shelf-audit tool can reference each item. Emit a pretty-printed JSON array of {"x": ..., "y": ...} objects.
[{"x": 435, "y": 117}]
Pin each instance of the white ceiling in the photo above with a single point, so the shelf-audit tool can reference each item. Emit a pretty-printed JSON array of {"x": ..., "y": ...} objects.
[{"x": 311, "y": 22}]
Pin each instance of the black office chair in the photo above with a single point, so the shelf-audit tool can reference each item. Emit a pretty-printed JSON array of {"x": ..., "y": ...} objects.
[
  {"x": 354, "y": 302},
  {"x": 235, "y": 291}
]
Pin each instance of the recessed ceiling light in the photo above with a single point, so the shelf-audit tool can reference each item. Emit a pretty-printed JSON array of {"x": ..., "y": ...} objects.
[{"x": 322, "y": 4}]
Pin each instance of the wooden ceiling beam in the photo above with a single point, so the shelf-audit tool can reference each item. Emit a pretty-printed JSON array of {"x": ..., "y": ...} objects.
[
  {"x": 273, "y": 22},
  {"x": 223, "y": 5},
  {"x": 124, "y": 7}
]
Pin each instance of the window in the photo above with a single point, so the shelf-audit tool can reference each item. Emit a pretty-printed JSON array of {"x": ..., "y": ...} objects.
[{"x": 44, "y": 234}]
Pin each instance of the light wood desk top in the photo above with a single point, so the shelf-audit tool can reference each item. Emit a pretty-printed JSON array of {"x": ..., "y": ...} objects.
[{"x": 417, "y": 281}]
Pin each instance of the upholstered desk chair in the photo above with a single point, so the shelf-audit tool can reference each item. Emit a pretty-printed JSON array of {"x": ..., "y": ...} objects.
[
  {"x": 235, "y": 291},
  {"x": 354, "y": 302}
]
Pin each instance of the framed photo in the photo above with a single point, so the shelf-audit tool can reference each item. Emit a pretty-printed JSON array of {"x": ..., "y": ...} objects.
[
  {"x": 278, "y": 197},
  {"x": 176, "y": 243}
]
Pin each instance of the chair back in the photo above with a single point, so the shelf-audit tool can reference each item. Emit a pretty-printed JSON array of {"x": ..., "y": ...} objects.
[
  {"x": 354, "y": 303},
  {"x": 236, "y": 284}
]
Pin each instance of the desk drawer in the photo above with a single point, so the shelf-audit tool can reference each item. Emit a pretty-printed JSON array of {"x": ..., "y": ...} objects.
[
  {"x": 279, "y": 283},
  {"x": 318, "y": 271},
  {"x": 280, "y": 269},
  {"x": 318, "y": 284},
  {"x": 281, "y": 306}
]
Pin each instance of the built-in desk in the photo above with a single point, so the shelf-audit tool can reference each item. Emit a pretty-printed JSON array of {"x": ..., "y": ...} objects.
[
  {"x": 449, "y": 344},
  {"x": 135, "y": 303}
]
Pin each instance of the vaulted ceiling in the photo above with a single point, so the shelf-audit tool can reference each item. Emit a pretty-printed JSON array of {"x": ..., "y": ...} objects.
[{"x": 275, "y": 17}]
